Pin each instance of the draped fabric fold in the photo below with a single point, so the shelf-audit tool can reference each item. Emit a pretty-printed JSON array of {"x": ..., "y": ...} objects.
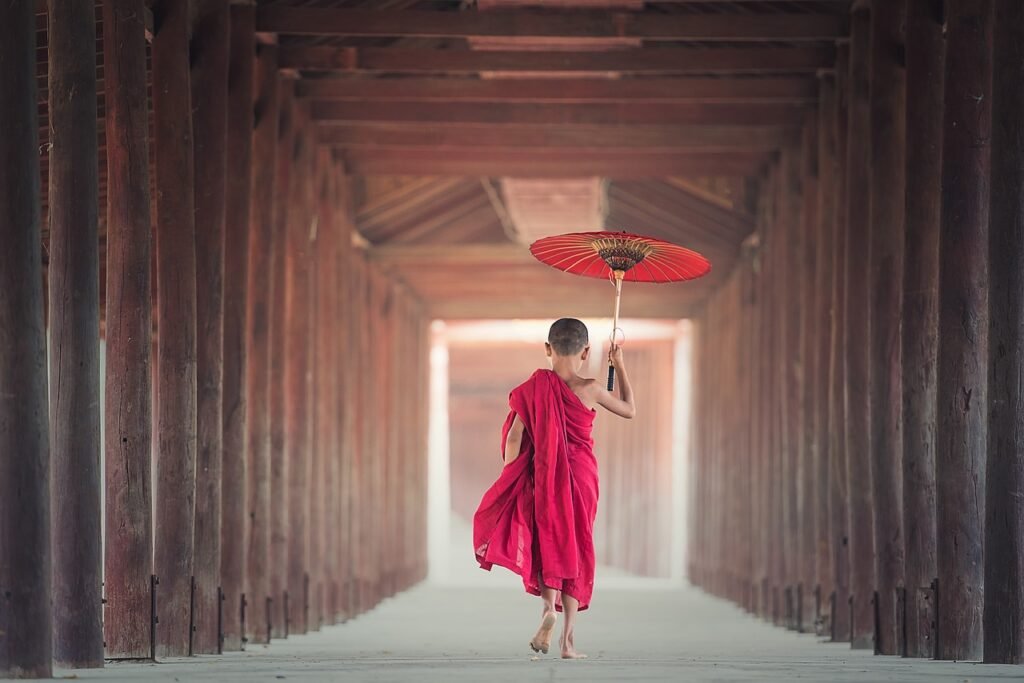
[{"x": 538, "y": 518}]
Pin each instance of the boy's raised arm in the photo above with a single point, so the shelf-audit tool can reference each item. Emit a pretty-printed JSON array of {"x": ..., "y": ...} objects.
[{"x": 622, "y": 405}]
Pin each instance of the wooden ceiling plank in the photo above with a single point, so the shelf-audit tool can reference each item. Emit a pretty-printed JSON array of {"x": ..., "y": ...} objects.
[
  {"x": 608, "y": 168},
  {"x": 770, "y": 114},
  {"x": 794, "y": 89},
  {"x": 673, "y": 60},
  {"x": 581, "y": 137},
  {"x": 658, "y": 194},
  {"x": 408, "y": 207},
  {"x": 533, "y": 24}
]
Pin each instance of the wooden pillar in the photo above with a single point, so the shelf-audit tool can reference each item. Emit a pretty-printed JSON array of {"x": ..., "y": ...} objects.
[
  {"x": 296, "y": 379},
  {"x": 769, "y": 403},
  {"x": 1004, "y": 477},
  {"x": 176, "y": 319},
  {"x": 858, "y": 442},
  {"x": 924, "y": 59},
  {"x": 326, "y": 340},
  {"x": 888, "y": 164},
  {"x": 238, "y": 195},
  {"x": 791, "y": 268},
  {"x": 128, "y": 418},
  {"x": 806, "y": 369},
  {"x": 759, "y": 342},
  {"x": 344, "y": 310},
  {"x": 74, "y": 336},
  {"x": 839, "y": 526},
  {"x": 25, "y": 621},
  {"x": 320, "y": 421},
  {"x": 824, "y": 319},
  {"x": 963, "y": 328},
  {"x": 277, "y": 210},
  {"x": 209, "y": 81},
  {"x": 265, "y": 197}
]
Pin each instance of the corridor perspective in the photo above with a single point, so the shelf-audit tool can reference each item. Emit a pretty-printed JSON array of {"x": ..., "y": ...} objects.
[{"x": 267, "y": 292}]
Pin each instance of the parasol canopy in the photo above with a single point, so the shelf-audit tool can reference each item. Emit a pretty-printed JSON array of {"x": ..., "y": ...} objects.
[
  {"x": 602, "y": 254},
  {"x": 620, "y": 256}
]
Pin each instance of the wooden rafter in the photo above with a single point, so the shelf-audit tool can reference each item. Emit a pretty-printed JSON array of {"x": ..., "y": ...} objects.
[
  {"x": 793, "y": 89},
  {"x": 677, "y": 60},
  {"x": 581, "y": 137},
  {"x": 559, "y": 114},
  {"x": 545, "y": 164},
  {"x": 531, "y": 24}
]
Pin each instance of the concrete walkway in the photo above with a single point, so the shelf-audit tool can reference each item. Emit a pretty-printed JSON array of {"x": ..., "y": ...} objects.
[{"x": 633, "y": 633}]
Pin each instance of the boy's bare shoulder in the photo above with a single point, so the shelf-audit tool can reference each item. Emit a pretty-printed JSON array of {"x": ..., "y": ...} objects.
[{"x": 589, "y": 386}]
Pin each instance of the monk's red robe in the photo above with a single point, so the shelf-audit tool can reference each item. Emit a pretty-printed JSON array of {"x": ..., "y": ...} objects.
[{"x": 538, "y": 517}]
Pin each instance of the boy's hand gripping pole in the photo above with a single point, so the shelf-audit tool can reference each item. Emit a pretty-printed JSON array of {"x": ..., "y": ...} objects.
[{"x": 619, "y": 274}]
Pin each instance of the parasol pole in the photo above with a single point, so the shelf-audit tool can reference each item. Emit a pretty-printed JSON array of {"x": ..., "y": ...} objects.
[{"x": 619, "y": 274}]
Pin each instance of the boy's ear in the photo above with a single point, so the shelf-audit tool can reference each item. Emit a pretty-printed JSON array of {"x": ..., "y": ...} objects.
[
  {"x": 586, "y": 352},
  {"x": 547, "y": 349}
]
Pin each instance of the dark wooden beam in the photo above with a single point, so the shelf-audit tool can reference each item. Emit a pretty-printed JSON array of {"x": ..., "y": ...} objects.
[
  {"x": 25, "y": 620},
  {"x": 531, "y": 24},
  {"x": 74, "y": 337},
  {"x": 297, "y": 369},
  {"x": 824, "y": 316},
  {"x": 839, "y": 529},
  {"x": 558, "y": 114},
  {"x": 583, "y": 137},
  {"x": 238, "y": 195},
  {"x": 208, "y": 54},
  {"x": 888, "y": 168},
  {"x": 858, "y": 465},
  {"x": 535, "y": 164},
  {"x": 924, "y": 57},
  {"x": 963, "y": 329},
  {"x": 128, "y": 417},
  {"x": 262, "y": 246},
  {"x": 176, "y": 314},
  {"x": 675, "y": 60},
  {"x": 792, "y": 89},
  {"x": 275, "y": 207},
  {"x": 1004, "y": 478}
]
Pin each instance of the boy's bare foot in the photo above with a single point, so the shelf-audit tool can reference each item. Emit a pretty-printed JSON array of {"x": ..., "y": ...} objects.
[
  {"x": 541, "y": 642},
  {"x": 569, "y": 650}
]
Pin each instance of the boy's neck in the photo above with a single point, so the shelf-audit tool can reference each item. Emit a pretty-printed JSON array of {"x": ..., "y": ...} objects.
[{"x": 564, "y": 367}]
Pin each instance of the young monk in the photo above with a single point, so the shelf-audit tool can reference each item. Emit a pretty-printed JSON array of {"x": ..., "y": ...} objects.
[{"x": 538, "y": 518}]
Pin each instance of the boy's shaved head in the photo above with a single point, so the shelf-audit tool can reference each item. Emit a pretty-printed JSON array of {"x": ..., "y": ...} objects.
[{"x": 568, "y": 336}]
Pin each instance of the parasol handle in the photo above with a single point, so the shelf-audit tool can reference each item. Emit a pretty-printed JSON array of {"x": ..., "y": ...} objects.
[{"x": 619, "y": 274}]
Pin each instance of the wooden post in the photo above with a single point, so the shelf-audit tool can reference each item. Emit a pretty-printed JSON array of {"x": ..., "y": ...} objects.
[
  {"x": 296, "y": 379},
  {"x": 128, "y": 417},
  {"x": 888, "y": 85},
  {"x": 326, "y": 341},
  {"x": 824, "y": 314},
  {"x": 810, "y": 227},
  {"x": 791, "y": 268},
  {"x": 277, "y": 186},
  {"x": 344, "y": 369},
  {"x": 858, "y": 468},
  {"x": 238, "y": 195},
  {"x": 924, "y": 58},
  {"x": 176, "y": 318},
  {"x": 963, "y": 328},
  {"x": 839, "y": 526},
  {"x": 209, "y": 82},
  {"x": 262, "y": 227},
  {"x": 26, "y": 635},
  {"x": 1004, "y": 478},
  {"x": 318, "y": 439},
  {"x": 74, "y": 336}
]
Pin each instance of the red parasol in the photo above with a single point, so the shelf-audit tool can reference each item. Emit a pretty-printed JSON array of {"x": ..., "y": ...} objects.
[{"x": 619, "y": 256}]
